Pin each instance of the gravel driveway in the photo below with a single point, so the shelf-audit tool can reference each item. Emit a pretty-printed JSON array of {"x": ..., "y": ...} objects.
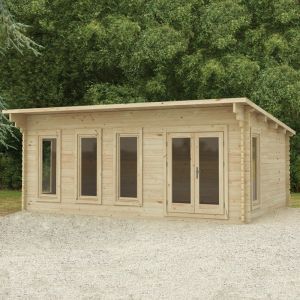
[{"x": 46, "y": 256}]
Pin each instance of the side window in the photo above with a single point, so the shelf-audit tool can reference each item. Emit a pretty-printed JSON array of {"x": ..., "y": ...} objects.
[
  {"x": 255, "y": 174},
  {"x": 128, "y": 171}
]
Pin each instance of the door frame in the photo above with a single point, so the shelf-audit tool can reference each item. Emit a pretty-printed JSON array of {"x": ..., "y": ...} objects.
[{"x": 192, "y": 130}]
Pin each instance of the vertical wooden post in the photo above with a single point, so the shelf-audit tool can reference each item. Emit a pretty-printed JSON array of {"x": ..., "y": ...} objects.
[
  {"x": 242, "y": 143},
  {"x": 23, "y": 168},
  {"x": 239, "y": 111},
  {"x": 287, "y": 169}
]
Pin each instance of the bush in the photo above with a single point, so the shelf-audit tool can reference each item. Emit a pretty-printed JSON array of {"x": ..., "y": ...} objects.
[
  {"x": 11, "y": 172},
  {"x": 11, "y": 162}
]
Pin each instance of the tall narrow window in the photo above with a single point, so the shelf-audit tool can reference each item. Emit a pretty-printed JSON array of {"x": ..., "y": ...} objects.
[
  {"x": 128, "y": 166},
  {"x": 254, "y": 169},
  {"x": 49, "y": 166},
  {"x": 88, "y": 166}
]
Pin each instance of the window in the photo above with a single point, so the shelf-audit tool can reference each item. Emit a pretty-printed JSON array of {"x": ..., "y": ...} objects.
[
  {"x": 48, "y": 179},
  {"x": 88, "y": 149},
  {"x": 49, "y": 166},
  {"x": 88, "y": 166},
  {"x": 255, "y": 169},
  {"x": 128, "y": 167}
]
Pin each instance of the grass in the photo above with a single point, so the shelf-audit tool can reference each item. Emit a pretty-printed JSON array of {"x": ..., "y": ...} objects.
[
  {"x": 10, "y": 201},
  {"x": 295, "y": 200}
]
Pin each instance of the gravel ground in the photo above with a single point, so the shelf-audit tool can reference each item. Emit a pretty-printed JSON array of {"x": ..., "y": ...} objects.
[{"x": 45, "y": 256}]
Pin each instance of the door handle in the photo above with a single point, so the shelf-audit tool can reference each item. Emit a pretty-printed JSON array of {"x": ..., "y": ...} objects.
[{"x": 197, "y": 172}]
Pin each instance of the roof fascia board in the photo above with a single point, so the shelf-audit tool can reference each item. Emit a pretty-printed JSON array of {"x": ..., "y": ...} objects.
[
  {"x": 127, "y": 106},
  {"x": 149, "y": 106}
]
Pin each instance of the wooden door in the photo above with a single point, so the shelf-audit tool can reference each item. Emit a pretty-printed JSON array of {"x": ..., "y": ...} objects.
[{"x": 196, "y": 172}]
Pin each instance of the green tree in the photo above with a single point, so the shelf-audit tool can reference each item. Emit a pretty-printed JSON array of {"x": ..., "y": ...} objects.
[
  {"x": 12, "y": 33},
  {"x": 11, "y": 36},
  {"x": 121, "y": 51}
]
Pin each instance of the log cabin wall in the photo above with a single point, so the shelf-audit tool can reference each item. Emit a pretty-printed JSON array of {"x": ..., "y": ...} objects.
[
  {"x": 274, "y": 157},
  {"x": 153, "y": 125}
]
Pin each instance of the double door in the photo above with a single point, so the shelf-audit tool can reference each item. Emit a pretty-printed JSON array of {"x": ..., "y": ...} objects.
[{"x": 196, "y": 172}]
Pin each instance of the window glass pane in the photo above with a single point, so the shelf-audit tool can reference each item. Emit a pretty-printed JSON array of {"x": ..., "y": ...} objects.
[
  {"x": 254, "y": 168},
  {"x": 128, "y": 167},
  {"x": 209, "y": 170},
  {"x": 181, "y": 170},
  {"x": 88, "y": 166},
  {"x": 49, "y": 166}
]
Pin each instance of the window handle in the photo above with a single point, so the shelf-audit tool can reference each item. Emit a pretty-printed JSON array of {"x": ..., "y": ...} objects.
[{"x": 197, "y": 172}]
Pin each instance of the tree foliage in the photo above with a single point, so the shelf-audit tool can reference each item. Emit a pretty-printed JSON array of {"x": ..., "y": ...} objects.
[
  {"x": 11, "y": 36},
  {"x": 12, "y": 33},
  {"x": 114, "y": 51}
]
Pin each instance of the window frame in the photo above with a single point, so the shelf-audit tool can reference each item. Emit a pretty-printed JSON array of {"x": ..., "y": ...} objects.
[
  {"x": 128, "y": 201},
  {"x": 255, "y": 203},
  {"x": 45, "y": 135},
  {"x": 88, "y": 133}
]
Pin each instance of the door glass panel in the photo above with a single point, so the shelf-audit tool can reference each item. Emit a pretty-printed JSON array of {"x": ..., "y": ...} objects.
[
  {"x": 128, "y": 167},
  {"x": 89, "y": 166},
  {"x": 49, "y": 166},
  {"x": 209, "y": 170},
  {"x": 181, "y": 170}
]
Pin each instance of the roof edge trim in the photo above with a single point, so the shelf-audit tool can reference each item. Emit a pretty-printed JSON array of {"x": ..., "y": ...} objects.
[{"x": 147, "y": 106}]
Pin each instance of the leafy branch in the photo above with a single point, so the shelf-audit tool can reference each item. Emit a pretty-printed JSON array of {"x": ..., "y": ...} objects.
[
  {"x": 5, "y": 126},
  {"x": 12, "y": 33}
]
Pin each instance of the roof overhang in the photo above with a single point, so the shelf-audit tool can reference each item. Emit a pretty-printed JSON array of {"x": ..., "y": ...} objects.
[{"x": 236, "y": 103}]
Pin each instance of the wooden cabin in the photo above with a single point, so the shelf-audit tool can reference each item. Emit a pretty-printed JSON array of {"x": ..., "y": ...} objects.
[{"x": 221, "y": 159}]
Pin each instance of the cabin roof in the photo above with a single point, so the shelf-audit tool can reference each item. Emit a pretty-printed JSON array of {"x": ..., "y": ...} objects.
[{"x": 150, "y": 106}]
